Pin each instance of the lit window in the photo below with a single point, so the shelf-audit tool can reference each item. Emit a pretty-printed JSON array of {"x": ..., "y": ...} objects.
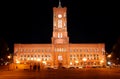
[
  {"x": 21, "y": 50},
  {"x": 80, "y": 50},
  {"x": 59, "y": 35},
  {"x": 64, "y": 14},
  {"x": 90, "y": 49},
  {"x": 59, "y": 23},
  {"x": 16, "y": 50},
  {"x": 32, "y": 50},
  {"x": 54, "y": 23},
  {"x": 70, "y": 50},
  {"x": 64, "y": 24},
  {"x": 42, "y": 50},
  {"x": 38, "y": 50}
]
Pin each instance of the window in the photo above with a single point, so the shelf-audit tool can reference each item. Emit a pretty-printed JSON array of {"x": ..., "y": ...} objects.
[
  {"x": 59, "y": 23},
  {"x": 64, "y": 14},
  {"x": 59, "y": 35},
  {"x": 64, "y": 24},
  {"x": 54, "y": 23},
  {"x": 70, "y": 50},
  {"x": 90, "y": 49},
  {"x": 24, "y": 55},
  {"x": 16, "y": 50},
  {"x": 80, "y": 50},
  {"x": 21, "y": 56},
  {"x": 38, "y": 50},
  {"x": 80, "y": 55}
]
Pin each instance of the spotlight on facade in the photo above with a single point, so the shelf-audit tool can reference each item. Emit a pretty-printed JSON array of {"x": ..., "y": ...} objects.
[
  {"x": 70, "y": 63},
  {"x": 44, "y": 62},
  {"x": 76, "y": 61},
  {"x": 34, "y": 58},
  {"x": 101, "y": 61},
  {"x": 84, "y": 59},
  {"x": 109, "y": 56},
  {"x": 31, "y": 58},
  {"x": 109, "y": 63},
  {"x": 38, "y": 59},
  {"x": 17, "y": 61},
  {"x": 28, "y": 59}
]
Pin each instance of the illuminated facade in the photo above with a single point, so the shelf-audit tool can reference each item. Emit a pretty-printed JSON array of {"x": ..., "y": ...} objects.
[{"x": 60, "y": 53}]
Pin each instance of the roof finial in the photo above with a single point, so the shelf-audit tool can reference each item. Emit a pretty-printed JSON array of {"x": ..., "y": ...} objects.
[{"x": 59, "y": 4}]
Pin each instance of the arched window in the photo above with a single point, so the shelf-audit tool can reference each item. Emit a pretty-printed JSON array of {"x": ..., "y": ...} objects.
[{"x": 59, "y": 23}]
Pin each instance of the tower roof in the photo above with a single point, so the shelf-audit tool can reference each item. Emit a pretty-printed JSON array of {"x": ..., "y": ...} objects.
[{"x": 59, "y": 4}]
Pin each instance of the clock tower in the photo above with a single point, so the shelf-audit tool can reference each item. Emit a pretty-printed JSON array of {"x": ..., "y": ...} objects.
[
  {"x": 60, "y": 35},
  {"x": 60, "y": 39}
]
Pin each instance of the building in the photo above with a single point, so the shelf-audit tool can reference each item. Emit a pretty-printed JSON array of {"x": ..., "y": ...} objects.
[{"x": 60, "y": 53}]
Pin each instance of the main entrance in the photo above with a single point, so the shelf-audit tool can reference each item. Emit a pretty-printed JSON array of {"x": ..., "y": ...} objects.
[{"x": 60, "y": 61}]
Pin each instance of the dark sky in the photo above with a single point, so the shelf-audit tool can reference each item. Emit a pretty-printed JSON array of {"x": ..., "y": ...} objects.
[{"x": 87, "y": 22}]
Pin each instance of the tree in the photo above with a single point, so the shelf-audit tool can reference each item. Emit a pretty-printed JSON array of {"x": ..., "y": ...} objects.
[
  {"x": 4, "y": 50},
  {"x": 116, "y": 52}
]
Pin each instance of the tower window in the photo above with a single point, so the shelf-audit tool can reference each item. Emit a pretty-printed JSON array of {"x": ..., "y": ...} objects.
[
  {"x": 59, "y": 35},
  {"x": 59, "y": 23}
]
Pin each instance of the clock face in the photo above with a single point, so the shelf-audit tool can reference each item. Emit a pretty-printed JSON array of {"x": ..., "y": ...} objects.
[{"x": 59, "y": 16}]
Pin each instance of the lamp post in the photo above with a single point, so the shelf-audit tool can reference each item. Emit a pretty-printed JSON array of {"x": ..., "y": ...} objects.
[
  {"x": 9, "y": 57},
  {"x": 108, "y": 58}
]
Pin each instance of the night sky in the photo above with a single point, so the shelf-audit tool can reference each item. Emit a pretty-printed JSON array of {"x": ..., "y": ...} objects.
[{"x": 87, "y": 22}]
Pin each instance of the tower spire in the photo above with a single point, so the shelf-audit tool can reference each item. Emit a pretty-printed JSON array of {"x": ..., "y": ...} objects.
[{"x": 59, "y": 4}]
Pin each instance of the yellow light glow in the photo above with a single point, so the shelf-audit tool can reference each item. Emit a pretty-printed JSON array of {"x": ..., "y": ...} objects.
[
  {"x": 28, "y": 59},
  {"x": 34, "y": 58},
  {"x": 9, "y": 56},
  {"x": 109, "y": 56},
  {"x": 17, "y": 61},
  {"x": 70, "y": 63},
  {"x": 44, "y": 62},
  {"x": 101, "y": 61},
  {"x": 84, "y": 59},
  {"x": 38, "y": 59},
  {"x": 76, "y": 61},
  {"x": 31, "y": 58}
]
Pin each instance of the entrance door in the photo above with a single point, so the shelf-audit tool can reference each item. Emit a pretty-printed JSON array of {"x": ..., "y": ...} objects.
[{"x": 60, "y": 59}]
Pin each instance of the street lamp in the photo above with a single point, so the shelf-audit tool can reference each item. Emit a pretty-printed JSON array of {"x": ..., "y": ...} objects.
[
  {"x": 109, "y": 56},
  {"x": 108, "y": 59},
  {"x": 9, "y": 60},
  {"x": 9, "y": 56}
]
